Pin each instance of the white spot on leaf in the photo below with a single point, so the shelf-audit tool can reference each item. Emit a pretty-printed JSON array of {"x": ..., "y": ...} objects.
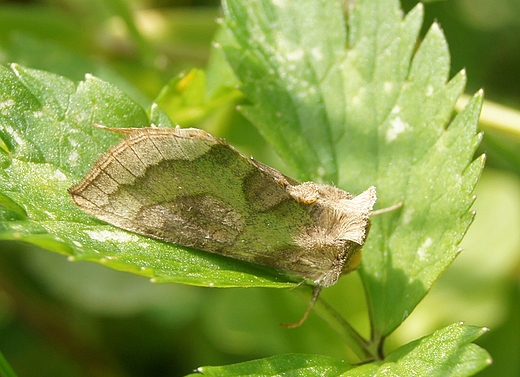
[
  {"x": 295, "y": 55},
  {"x": 397, "y": 127},
  {"x": 111, "y": 235},
  {"x": 422, "y": 253},
  {"x": 317, "y": 53},
  {"x": 51, "y": 215},
  {"x": 7, "y": 103},
  {"x": 408, "y": 216},
  {"x": 279, "y": 3},
  {"x": 73, "y": 158},
  {"x": 58, "y": 174}
]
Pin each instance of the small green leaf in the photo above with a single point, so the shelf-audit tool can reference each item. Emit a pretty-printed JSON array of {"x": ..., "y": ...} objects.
[
  {"x": 445, "y": 353},
  {"x": 184, "y": 99},
  {"x": 281, "y": 365},
  {"x": 46, "y": 127}
]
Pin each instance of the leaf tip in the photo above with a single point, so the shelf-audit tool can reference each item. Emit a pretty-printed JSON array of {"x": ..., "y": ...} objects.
[{"x": 436, "y": 28}]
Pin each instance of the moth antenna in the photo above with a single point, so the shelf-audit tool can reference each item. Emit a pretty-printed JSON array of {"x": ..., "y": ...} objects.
[
  {"x": 387, "y": 209},
  {"x": 122, "y": 131},
  {"x": 314, "y": 298},
  {"x": 100, "y": 126}
]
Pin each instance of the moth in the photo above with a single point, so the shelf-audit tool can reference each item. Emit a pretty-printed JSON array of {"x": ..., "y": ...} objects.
[{"x": 185, "y": 186}]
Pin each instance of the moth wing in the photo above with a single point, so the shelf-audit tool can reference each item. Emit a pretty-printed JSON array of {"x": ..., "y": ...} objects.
[
  {"x": 275, "y": 174},
  {"x": 188, "y": 187}
]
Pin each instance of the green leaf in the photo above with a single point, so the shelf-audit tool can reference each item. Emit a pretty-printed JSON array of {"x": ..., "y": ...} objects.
[
  {"x": 49, "y": 144},
  {"x": 184, "y": 99},
  {"x": 49, "y": 55},
  {"x": 359, "y": 105},
  {"x": 281, "y": 365},
  {"x": 446, "y": 352},
  {"x": 287, "y": 65}
]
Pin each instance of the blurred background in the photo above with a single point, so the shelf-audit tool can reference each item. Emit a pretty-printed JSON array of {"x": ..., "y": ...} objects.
[{"x": 59, "y": 318}]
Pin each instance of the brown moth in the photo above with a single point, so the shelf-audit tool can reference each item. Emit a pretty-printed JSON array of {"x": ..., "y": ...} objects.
[{"x": 188, "y": 187}]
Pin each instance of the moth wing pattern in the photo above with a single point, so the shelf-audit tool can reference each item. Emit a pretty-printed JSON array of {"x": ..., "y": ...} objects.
[
  {"x": 188, "y": 187},
  {"x": 185, "y": 186}
]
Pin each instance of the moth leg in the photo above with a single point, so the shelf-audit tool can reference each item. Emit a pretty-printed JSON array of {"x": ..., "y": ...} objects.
[{"x": 315, "y": 294}]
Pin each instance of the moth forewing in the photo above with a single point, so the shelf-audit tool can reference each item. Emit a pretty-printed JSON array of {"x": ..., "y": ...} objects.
[{"x": 187, "y": 187}]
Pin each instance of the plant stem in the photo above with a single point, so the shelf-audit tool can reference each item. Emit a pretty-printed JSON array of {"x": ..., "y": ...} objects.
[{"x": 359, "y": 345}]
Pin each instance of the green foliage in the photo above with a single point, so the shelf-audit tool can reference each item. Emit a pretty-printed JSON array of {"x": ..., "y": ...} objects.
[
  {"x": 285, "y": 365},
  {"x": 38, "y": 171},
  {"x": 354, "y": 103},
  {"x": 391, "y": 133},
  {"x": 447, "y": 352}
]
